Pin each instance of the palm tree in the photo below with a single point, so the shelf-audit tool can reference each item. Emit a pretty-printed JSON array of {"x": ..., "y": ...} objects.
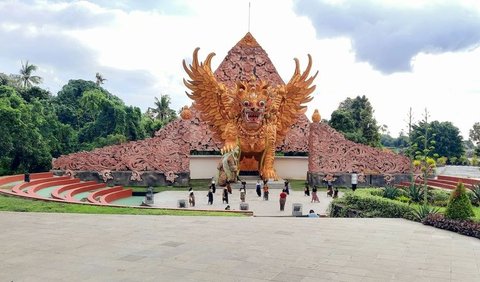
[
  {"x": 99, "y": 79},
  {"x": 26, "y": 77},
  {"x": 162, "y": 109}
]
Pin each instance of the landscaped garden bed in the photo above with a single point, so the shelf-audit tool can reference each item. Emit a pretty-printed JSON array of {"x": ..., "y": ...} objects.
[{"x": 457, "y": 211}]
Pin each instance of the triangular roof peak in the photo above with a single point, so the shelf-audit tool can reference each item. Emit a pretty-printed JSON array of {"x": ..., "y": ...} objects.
[
  {"x": 248, "y": 40},
  {"x": 246, "y": 59}
]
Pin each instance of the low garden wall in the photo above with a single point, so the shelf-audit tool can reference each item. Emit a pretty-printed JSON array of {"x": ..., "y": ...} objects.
[
  {"x": 130, "y": 178},
  {"x": 344, "y": 179}
]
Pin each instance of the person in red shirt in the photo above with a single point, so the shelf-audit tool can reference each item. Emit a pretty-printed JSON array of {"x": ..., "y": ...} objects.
[{"x": 283, "y": 199}]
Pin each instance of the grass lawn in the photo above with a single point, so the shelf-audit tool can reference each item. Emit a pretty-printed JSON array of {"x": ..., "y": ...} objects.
[{"x": 26, "y": 205}]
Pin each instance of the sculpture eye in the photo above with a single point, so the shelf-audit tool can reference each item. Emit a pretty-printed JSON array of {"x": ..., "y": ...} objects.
[
  {"x": 246, "y": 103},
  {"x": 261, "y": 103}
]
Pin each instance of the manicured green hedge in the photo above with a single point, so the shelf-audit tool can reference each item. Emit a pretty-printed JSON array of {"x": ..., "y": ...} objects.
[{"x": 369, "y": 205}]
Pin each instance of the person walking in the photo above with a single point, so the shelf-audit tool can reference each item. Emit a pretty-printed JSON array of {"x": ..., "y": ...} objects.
[
  {"x": 354, "y": 180},
  {"x": 210, "y": 196},
  {"x": 229, "y": 188},
  {"x": 191, "y": 197},
  {"x": 225, "y": 195},
  {"x": 335, "y": 193},
  {"x": 314, "y": 195},
  {"x": 287, "y": 189},
  {"x": 212, "y": 185},
  {"x": 283, "y": 199},
  {"x": 307, "y": 190},
  {"x": 265, "y": 190},
  {"x": 258, "y": 188}
]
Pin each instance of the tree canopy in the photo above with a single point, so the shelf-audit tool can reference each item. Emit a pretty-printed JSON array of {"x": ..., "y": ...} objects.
[
  {"x": 354, "y": 118},
  {"x": 447, "y": 139},
  {"x": 38, "y": 126}
]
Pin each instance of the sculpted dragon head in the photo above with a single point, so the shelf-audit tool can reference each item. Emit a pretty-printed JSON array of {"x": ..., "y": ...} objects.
[{"x": 253, "y": 98}]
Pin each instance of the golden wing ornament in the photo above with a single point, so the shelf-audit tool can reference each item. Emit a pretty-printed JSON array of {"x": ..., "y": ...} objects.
[
  {"x": 212, "y": 99},
  {"x": 294, "y": 95}
]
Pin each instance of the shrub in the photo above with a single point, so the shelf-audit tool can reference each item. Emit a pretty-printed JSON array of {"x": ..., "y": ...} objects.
[
  {"x": 459, "y": 206},
  {"x": 390, "y": 192},
  {"x": 442, "y": 161},
  {"x": 423, "y": 211},
  {"x": 474, "y": 195},
  {"x": 373, "y": 206},
  {"x": 375, "y": 192},
  {"x": 415, "y": 193},
  {"x": 440, "y": 197},
  {"x": 403, "y": 199},
  {"x": 465, "y": 227}
]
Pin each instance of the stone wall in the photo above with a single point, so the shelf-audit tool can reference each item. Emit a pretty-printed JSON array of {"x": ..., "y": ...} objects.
[{"x": 128, "y": 178}]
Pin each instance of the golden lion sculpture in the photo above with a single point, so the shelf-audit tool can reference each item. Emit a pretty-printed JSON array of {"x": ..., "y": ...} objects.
[{"x": 254, "y": 116}]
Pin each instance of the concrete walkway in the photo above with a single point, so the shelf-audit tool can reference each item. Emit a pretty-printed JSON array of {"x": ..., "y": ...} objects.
[
  {"x": 75, "y": 247},
  {"x": 168, "y": 199},
  {"x": 459, "y": 171}
]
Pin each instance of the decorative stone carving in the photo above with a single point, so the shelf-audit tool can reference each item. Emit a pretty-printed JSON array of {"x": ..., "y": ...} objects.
[
  {"x": 106, "y": 174},
  {"x": 329, "y": 177},
  {"x": 330, "y": 152},
  {"x": 168, "y": 152},
  {"x": 136, "y": 176},
  {"x": 389, "y": 179},
  {"x": 170, "y": 176}
]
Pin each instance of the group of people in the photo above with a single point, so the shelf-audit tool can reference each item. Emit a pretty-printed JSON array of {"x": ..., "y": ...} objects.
[{"x": 331, "y": 192}]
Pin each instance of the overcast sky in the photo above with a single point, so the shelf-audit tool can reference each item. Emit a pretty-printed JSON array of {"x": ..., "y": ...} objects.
[{"x": 400, "y": 54}]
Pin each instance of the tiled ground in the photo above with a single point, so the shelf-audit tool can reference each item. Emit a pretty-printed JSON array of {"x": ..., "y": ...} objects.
[{"x": 75, "y": 247}]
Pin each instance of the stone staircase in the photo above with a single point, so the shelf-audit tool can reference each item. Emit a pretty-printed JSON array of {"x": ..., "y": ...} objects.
[{"x": 252, "y": 182}]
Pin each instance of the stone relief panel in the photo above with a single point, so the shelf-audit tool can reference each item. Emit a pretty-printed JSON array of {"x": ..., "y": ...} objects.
[
  {"x": 167, "y": 152},
  {"x": 330, "y": 152}
]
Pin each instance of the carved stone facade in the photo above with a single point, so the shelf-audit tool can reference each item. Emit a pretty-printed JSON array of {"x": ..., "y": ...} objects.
[
  {"x": 164, "y": 158},
  {"x": 247, "y": 57},
  {"x": 168, "y": 152},
  {"x": 330, "y": 152}
]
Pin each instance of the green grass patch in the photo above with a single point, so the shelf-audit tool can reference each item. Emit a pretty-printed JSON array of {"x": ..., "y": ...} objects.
[{"x": 15, "y": 204}]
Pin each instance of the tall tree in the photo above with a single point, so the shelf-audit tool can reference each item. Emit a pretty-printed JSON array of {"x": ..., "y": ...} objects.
[
  {"x": 447, "y": 139},
  {"x": 475, "y": 133},
  {"x": 26, "y": 75},
  {"x": 99, "y": 79},
  {"x": 162, "y": 109},
  {"x": 354, "y": 118}
]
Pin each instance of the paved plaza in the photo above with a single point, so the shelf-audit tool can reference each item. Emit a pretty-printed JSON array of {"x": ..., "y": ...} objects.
[
  {"x": 76, "y": 247},
  {"x": 260, "y": 207}
]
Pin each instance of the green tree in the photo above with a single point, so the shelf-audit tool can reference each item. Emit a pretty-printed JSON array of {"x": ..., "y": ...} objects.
[
  {"x": 354, "y": 118},
  {"x": 99, "y": 79},
  {"x": 447, "y": 138},
  {"x": 27, "y": 77},
  {"x": 162, "y": 109},
  {"x": 23, "y": 146},
  {"x": 423, "y": 147},
  {"x": 459, "y": 205},
  {"x": 475, "y": 133}
]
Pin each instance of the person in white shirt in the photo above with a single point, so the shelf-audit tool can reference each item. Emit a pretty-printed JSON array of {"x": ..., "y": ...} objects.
[{"x": 354, "y": 180}]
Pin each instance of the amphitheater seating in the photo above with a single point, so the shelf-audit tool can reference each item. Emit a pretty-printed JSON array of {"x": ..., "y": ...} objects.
[
  {"x": 32, "y": 190},
  {"x": 110, "y": 197},
  {"x": 19, "y": 177},
  {"x": 68, "y": 188},
  {"x": 19, "y": 188},
  {"x": 57, "y": 193},
  {"x": 444, "y": 182},
  {"x": 94, "y": 196},
  {"x": 70, "y": 195}
]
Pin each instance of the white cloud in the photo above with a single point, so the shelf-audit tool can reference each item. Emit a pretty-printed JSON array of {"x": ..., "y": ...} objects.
[{"x": 149, "y": 45}]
